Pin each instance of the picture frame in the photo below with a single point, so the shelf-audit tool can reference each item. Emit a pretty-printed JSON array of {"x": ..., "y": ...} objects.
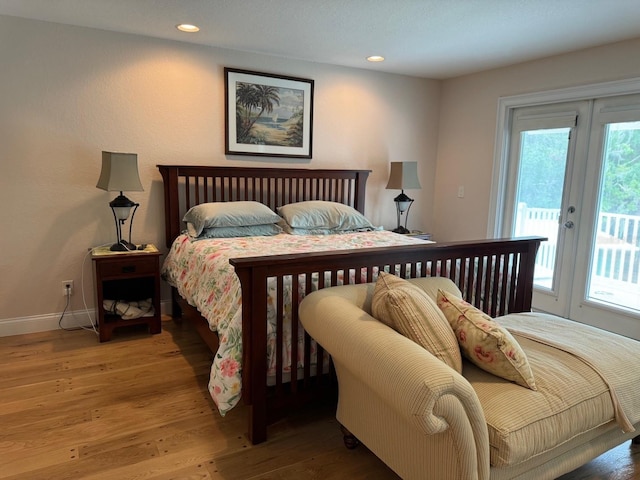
[{"x": 268, "y": 114}]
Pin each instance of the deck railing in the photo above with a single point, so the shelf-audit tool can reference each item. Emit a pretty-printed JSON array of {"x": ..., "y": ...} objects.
[{"x": 617, "y": 247}]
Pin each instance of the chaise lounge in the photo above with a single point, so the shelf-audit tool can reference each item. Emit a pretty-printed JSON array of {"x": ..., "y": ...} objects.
[{"x": 427, "y": 421}]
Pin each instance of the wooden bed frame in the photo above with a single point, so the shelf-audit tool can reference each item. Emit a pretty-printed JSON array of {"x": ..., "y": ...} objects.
[{"x": 494, "y": 275}]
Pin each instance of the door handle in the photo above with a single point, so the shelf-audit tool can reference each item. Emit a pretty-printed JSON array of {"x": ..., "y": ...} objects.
[{"x": 569, "y": 223}]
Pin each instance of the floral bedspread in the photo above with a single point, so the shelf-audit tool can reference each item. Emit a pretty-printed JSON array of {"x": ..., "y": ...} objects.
[{"x": 201, "y": 272}]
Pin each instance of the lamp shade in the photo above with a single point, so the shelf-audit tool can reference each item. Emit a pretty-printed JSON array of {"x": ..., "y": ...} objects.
[
  {"x": 403, "y": 175},
  {"x": 120, "y": 172}
]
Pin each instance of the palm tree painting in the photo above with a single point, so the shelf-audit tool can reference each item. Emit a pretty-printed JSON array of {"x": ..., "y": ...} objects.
[
  {"x": 267, "y": 115},
  {"x": 273, "y": 114}
]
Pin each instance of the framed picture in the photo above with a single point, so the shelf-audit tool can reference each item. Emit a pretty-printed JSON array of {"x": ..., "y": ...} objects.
[{"x": 267, "y": 114}]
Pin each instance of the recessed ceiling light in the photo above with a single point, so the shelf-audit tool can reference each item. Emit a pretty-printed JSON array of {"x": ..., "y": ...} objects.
[
  {"x": 375, "y": 58},
  {"x": 186, "y": 27}
]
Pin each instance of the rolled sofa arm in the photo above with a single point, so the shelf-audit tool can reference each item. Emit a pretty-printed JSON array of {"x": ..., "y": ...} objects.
[{"x": 420, "y": 387}]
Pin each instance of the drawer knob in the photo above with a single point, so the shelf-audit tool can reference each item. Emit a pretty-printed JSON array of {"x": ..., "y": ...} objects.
[{"x": 129, "y": 269}]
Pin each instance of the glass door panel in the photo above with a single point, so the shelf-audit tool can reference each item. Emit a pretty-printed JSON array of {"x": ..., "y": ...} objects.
[
  {"x": 539, "y": 195},
  {"x": 544, "y": 190},
  {"x": 606, "y": 284},
  {"x": 614, "y": 276}
]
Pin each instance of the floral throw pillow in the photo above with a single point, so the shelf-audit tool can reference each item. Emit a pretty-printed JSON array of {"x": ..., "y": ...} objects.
[{"x": 485, "y": 342}]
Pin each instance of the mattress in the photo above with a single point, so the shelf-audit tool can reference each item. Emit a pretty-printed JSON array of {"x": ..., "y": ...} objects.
[{"x": 201, "y": 273}]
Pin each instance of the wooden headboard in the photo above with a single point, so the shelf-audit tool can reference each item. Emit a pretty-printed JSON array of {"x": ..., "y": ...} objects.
[{"x": 186, "y": 186}]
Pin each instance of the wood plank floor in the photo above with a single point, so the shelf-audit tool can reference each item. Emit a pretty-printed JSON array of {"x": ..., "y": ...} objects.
[{"x": 137, "y": 407}]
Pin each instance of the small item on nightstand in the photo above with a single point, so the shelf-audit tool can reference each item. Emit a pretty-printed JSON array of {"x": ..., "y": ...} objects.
[
  {"x": 420, "y": 235},
  {"x": 106, "y": 251}
]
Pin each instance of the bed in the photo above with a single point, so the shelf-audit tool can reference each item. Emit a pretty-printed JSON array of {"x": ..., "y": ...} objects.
[{"x": 495, "y": 275}]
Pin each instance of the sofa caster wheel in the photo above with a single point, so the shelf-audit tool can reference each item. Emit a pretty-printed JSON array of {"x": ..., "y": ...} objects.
[{"x": 350, "y": 441}]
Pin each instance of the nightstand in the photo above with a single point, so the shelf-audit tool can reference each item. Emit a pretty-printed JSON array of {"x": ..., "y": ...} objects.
[{"x": 126, "y": 276}]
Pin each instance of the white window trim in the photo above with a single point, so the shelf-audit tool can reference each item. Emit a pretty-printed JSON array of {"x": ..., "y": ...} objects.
[{"x": 506, "y": 105}]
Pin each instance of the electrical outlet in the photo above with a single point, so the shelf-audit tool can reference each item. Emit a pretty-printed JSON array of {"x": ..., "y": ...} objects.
[{"x": 67, "y": 287}]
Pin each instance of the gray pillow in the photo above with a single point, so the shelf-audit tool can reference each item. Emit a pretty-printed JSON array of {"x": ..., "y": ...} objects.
[
  {"x": 228, "y": 214},
  {"x": 231, "y": 232},
  {"x": 320, "y": 231},
  {"x": 320, "y": 214}
]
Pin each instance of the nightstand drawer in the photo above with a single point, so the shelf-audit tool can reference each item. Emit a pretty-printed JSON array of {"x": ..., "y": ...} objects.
[{"x": 140, "y": 265}]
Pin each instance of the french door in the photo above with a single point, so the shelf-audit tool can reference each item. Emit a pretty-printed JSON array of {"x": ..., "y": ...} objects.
[{"x": 574, "y": 177}]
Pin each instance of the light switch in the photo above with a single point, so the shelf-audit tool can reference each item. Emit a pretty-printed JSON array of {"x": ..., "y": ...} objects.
[{"x": 461, "y": 191}]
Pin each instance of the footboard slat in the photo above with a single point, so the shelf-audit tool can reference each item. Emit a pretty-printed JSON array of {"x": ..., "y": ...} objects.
[
  {"x": 294, "y": 337},
  {"x": 478, "y": 281},
  {"x": 279, "y": 332},
  {"x": 505, "y": 273}
]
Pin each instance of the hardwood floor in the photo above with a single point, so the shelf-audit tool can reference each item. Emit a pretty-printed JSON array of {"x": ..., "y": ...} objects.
[{"x": 137, "y": 407}]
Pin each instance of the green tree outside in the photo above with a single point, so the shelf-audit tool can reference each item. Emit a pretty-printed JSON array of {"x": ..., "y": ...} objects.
[{"x": 543, "y": 164}]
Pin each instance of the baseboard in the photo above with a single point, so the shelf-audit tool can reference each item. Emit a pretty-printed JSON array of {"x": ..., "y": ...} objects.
[{"x": 43, "y": 323}]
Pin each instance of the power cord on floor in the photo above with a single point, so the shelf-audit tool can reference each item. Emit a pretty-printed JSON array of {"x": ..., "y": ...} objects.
[
  {"x": 65, "y": 311},
  {"x": 91, "y": 326}
]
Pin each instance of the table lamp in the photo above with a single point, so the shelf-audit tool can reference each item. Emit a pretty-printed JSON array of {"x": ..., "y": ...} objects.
[
  {"x": 119, "y": 174},
  {"x": 403, "y": 175}
]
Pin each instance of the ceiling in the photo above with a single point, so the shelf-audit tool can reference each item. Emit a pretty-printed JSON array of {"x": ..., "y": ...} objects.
[{"x": 425, "y": 38}]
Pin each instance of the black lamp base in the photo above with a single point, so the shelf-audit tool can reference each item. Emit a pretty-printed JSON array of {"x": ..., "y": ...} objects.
[
  {"x": 123, "y": 246},
  {"x": 401, "y": 229},
  {"x": 119, "y": 204},
  {"x": 403, "y": 205}
]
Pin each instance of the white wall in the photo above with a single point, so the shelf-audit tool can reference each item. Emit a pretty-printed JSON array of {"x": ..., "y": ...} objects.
[
  {"x": 67, "y": 93},
  {"x": 468, "y": 118}
]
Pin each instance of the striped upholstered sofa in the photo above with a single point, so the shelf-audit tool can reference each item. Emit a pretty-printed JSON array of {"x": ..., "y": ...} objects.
[{"x": 426, "y": 420}]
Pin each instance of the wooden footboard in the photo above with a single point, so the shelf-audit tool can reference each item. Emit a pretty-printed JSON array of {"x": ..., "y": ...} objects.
[{"x": 494, "y": 275}]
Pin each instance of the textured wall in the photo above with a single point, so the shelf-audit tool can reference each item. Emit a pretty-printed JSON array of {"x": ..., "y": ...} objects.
[{"x": 67, "y": 93}]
